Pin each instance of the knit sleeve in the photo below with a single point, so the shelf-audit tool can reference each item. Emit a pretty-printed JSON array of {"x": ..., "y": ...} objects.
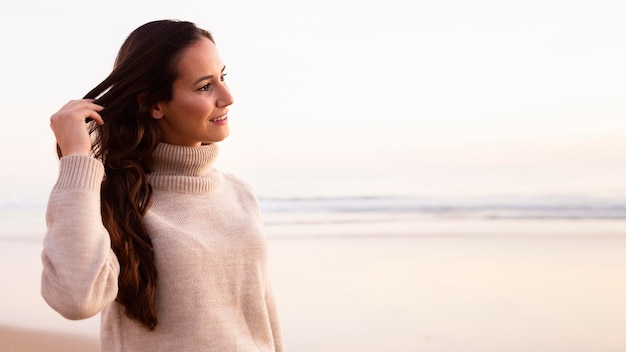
[
  {"x": 274, "y": 319},
  {"x": 80, "y": 271}
]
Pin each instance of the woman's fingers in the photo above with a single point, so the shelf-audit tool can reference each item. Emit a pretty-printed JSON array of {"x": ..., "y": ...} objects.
[{"x": 70, "y": 130}]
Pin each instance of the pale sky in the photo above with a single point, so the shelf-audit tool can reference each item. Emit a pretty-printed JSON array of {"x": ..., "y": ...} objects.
[{"x": 355, "y": 97}]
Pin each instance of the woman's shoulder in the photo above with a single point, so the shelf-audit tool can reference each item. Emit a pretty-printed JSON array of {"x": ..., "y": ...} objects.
[
  {"x": 237, "y": 183},
  {"x": 243, "y": 192}
]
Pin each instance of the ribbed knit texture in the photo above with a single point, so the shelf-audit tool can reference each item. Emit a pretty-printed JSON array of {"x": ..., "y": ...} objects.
[
  {"x": 186, "y": 169},
  {"x": 213, "y": 293},
  {"x": 78, "y": 175}
]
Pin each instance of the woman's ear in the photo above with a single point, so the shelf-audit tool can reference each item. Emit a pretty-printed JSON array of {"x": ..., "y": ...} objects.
[{"x": 156, "y": 111}]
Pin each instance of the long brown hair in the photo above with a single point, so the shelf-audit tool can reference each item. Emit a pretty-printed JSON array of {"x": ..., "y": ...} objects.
[{"x": 143, "y": 74}]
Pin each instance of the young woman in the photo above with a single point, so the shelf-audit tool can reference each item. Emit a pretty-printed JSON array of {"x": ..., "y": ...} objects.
[{"x": 141, "y": 226}]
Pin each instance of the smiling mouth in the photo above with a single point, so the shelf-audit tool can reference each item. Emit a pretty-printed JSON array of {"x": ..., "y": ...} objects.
[{"x": 219, "y": 119}]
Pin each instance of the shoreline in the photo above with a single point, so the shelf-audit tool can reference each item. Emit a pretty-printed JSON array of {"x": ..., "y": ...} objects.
[
  {"x": 27, "y": 340},
  {"x": 542, "y": 287}
]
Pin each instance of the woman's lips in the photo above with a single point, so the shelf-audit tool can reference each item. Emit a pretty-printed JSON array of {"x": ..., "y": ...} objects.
[{"x": 222, "y": 120}]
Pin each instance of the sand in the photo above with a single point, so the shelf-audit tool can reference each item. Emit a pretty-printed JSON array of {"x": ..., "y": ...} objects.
[
  {"x": 442, "y": 286},
  {"x": 14, "y": 340},
  {"x": 455, "y": 295}
]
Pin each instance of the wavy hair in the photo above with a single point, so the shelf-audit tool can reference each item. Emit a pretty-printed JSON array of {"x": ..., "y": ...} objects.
[{"x": 143, "y": 74}]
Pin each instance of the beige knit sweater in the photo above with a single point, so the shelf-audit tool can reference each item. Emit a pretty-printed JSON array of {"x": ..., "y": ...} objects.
[{"x": 213, "y": 291}]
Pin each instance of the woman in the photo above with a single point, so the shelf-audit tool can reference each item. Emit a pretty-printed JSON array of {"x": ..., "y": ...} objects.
[{"x": 141, "y": 227}]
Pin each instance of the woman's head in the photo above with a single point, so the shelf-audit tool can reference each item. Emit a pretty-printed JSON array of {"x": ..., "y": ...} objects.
[
  {"x": 145, "y": 70},
  {"x": 167, "y": 83},
  {"x": 197, "y": 111}
]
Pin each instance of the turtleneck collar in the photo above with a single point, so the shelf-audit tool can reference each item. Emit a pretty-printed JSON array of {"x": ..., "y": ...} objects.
[{"x": 185, "y": 169}]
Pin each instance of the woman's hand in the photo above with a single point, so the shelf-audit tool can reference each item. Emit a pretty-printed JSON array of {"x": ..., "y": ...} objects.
[{"x": 70, "y": 130}]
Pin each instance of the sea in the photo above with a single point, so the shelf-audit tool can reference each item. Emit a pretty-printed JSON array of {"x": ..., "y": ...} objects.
[{"x": 24, "y": 220}]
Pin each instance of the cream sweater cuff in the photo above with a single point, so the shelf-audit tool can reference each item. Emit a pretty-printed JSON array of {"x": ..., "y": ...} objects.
[{"x": 80, "y": 172}]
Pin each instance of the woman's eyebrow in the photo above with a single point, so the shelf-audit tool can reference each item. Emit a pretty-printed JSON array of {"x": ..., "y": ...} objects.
[{"x": 208, "y": 76}]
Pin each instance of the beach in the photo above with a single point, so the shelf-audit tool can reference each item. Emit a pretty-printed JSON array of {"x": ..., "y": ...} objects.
[
  {"x": 443, "y": 285},
  {"x": 14, "y": 339},
  {"x": 469, "y": 197}
]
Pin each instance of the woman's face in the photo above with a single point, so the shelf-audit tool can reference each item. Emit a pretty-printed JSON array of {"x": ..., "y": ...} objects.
[{"x": 198, "y": 111}]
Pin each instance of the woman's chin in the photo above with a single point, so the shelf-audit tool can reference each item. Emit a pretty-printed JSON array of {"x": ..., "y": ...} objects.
[{"x": 217, "y": 138}]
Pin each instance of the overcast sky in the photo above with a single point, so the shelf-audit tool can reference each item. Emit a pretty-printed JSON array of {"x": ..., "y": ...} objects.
[{"x": 355, "y": 97}]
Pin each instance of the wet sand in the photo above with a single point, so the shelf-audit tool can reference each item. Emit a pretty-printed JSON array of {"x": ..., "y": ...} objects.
[
  {"x": 17, "y": 340},
  {"x": 443, "y": 287}
]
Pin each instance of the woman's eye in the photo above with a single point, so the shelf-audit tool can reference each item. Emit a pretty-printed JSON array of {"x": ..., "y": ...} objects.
[{"x": 207, "y": 86}]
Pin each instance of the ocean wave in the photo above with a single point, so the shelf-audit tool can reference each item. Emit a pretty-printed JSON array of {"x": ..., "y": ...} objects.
[
  {"x": 486, "y": 208},
  {"x": 390, "y": 207},
  {"x": 393, "y": 217}
]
